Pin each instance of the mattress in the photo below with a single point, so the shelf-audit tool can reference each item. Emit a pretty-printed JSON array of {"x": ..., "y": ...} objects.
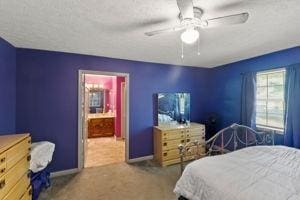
[
  {"x": 260, "y": 173},
  {"x": 41, "y": 155}
]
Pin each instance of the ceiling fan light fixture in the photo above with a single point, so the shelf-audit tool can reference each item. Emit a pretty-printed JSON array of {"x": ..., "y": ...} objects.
[{"x": 189, "y": 36}]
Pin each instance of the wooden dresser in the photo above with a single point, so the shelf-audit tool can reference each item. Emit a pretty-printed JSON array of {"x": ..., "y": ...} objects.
[
  {"x": 167, "y": 139},
  {"x": 101, "y": 127},
  {"x": 14, "y": 167}
]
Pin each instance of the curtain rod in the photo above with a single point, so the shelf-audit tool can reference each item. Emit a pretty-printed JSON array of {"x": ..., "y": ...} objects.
[{"x": 264, "y": 71}]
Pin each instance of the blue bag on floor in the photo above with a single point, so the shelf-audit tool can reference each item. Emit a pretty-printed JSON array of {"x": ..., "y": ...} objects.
[{"x": 39, "y": 181}]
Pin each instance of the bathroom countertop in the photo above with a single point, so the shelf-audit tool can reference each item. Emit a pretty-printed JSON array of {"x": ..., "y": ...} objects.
[{"x": 100, "y": 115}]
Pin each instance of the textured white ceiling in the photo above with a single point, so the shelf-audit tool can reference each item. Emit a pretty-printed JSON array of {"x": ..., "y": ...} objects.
[{"x": 115, "y": 28}]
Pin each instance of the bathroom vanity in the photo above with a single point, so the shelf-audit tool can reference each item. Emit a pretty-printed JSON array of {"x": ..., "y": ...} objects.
[{"x": 101, "y": 125}]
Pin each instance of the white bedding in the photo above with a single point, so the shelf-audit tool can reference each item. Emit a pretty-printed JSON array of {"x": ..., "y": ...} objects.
[
  {"x": 260, "y": 173},
  {"x": 41, "y": 155}
]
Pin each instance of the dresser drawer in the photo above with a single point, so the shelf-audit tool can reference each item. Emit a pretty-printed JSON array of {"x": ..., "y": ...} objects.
[
  {"x": 8, "y": 180},
  {"x": 27, "y": 195},
  {"x": 170, "y": 154},
  {"x": 170, "y": 162},
  {"x": 199, "y": 138},
  {"x": 172, "y": 144},
  {"x": 172, "y": 135},
  {"x": 18, "y": 151},
  {"x": 19, "y": 190},
  {"x": 194, "y": 132}
]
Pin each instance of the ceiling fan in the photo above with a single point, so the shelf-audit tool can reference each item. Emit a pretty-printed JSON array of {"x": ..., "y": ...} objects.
[{"x": 191, "y": 20}]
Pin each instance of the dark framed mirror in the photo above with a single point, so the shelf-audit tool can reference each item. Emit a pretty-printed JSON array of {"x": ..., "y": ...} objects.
[
  {"x": 97, "y": 100},
  {"x": 173, "y": 108}
]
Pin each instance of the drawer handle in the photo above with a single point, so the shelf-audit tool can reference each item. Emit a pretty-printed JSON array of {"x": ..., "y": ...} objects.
[
  {"x": 188, "y": 140},
  {"x": 29, "y": 141},
  {"x": 2, "y": 160},
  {"x": 28, "y": 174},
  {"x": 29, "y": 149},
  {"x": 2, "y": 184},
  {"x": 165, "y": 154},
  {"x": 2, "y": 170},
  {"x": 182, "y": 136},
  {"x": 182, "y": 141},
  {"x": 188, "y": 131},
  {"x": 28, "y": 157},
  {"x": 165, "y": 144},
  {"x": 203, "y": 137}
]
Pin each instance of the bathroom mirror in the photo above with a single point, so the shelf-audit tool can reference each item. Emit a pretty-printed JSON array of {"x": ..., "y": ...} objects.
[{"x": 97, "y": 100}]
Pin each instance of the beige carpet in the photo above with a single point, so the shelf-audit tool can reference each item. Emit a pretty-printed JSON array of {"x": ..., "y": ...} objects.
[
  {"x": 121, "y": 181},
  {"x": 104, "y": 151}
]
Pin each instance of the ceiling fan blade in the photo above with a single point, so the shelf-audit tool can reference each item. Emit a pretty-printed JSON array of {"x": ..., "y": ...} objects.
[
  {"x": 175, "y": 28},
  {"x": 186, "y": 8},
  {"x": 226, "y": 20}
]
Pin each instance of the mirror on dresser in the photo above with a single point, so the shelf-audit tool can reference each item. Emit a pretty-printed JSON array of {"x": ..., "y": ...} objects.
[{"x": 173, "y": 108}]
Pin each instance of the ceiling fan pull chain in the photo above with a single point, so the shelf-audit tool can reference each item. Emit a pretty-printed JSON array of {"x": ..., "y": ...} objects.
[
  {"x": 198, "y": 47},
  {"x": 182, "y": 50},
  {"x": 198, "y": 44}
]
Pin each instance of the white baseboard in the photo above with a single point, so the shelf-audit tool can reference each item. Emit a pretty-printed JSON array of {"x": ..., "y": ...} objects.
[
  {"x": 140, "y": 159},
  {"x": 64, "y": 172}
]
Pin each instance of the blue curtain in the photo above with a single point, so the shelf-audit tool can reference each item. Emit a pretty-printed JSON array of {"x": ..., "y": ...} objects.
[
  {"x": 292, "y": 111},
  {"x": 248, "y": 99}
]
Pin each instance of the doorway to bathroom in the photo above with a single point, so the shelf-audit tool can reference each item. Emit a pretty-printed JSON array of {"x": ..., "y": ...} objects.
[{"x": 103, "y": 118}]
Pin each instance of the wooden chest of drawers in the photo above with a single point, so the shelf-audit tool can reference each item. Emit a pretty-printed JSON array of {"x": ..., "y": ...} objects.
[
  {"x": 14, "y": 167},
  {"x": 101, "y": 127},
  {"x": 167, "y": 139}
]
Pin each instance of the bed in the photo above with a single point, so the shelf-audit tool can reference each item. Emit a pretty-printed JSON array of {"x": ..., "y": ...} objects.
[{"x": 250, "y": 171}]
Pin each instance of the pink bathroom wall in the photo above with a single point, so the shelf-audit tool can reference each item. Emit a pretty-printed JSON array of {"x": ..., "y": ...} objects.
[
  {"x": 113, "y": 95},
  {"x": 119, "y": 82},
  {"x": 106, "y": 81}
]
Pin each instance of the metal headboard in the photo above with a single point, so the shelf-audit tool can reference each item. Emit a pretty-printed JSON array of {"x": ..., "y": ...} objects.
[{"x": 226, "y": 140}]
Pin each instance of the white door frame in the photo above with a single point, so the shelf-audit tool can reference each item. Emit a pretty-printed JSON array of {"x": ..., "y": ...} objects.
[{"x": 81, "y": 136}]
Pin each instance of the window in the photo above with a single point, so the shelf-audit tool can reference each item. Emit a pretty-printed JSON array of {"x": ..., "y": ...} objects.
[{"x": 270, "y": 103}]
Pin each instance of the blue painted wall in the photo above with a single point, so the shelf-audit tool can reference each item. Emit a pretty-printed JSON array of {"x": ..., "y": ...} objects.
[
  {"x": 47, "y": 97},
  {"x": 47, "y": 94},
  {"x": 225, "y": 82},
  {"x": 7, "y": 88}
]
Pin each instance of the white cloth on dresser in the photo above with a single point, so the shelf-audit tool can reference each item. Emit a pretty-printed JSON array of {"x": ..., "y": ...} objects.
[
  {"x": 260, "y": 173},
  {"x": 41, "y": 155}
]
